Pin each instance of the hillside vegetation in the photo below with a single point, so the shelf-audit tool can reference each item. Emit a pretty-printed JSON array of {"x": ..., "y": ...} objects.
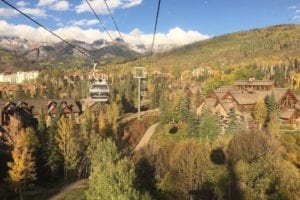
[
  {"x": 9, "y": 62},
  {"x": 267, "y": 46}
]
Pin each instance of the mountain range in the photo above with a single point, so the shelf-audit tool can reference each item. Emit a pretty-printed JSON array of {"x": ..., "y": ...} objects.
[{"x": 265, "y": 45}]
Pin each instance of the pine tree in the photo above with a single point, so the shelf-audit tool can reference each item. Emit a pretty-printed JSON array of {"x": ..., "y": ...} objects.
[
  {"x": 185, "y": 108},
  {"x": 54, "y": 159},
  {"x": 193, "y": 124},
  {"x": 209, "y": 127},
  {"x": 112, "y": 176},
  {"x": 233, "y": 124},
  {"x": 22, "y": 169},
  {"x": 271, "y": 105}
]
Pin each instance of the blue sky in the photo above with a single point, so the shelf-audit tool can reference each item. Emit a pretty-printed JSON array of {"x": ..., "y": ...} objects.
[{"x": 180, "y": 21}]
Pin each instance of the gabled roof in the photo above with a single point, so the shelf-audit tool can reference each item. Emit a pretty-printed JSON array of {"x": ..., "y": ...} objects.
[
  {"x": 243, "y": 98},
  {"x": 228, "y": 104}
]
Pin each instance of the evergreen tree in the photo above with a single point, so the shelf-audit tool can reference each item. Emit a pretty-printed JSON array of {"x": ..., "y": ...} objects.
[
  {"x": 112, "y": 176},
  {"x": 193, "y": 124},
  {"x": 209, "y": 127},
  {"x": 52, "y": 154},
  {"x": 233, "y": 124},
  {"x": 185, "y": 108},
  {"x": 271, "y": 105}
]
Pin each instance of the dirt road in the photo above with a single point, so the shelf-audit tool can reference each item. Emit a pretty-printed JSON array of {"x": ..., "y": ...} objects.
[
  {"x": 68, "y": 188},
  {"x": 146, "y": 138}
]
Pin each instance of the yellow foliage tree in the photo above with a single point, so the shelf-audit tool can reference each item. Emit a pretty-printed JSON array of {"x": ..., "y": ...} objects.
[
  {"x": 22, "y": 169},
  {"x": 68, "y": 143}
]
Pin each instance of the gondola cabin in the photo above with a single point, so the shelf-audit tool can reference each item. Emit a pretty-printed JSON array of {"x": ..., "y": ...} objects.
[{"x": 99, "y": 91}]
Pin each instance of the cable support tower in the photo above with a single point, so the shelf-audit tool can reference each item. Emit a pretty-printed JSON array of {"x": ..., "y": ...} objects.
[{"x": 48, "y": 30}]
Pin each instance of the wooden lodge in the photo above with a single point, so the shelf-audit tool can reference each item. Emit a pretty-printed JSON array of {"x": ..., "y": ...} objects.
[
  {"x": 254, "y": 85},
  {"x": 243, "y": 97}
]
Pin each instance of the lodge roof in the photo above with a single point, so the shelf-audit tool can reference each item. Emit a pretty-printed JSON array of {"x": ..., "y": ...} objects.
[
  {"x": 38, "y": 104},
  {"x": 287, "y": 113},
  {"x": 227, "y": 104},
  {"x": 243, "y": 97},
  {"x": 254, "y": 82}
]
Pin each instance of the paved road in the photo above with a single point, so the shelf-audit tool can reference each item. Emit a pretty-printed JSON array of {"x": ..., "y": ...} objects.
[{"x": 146, "y": 138}]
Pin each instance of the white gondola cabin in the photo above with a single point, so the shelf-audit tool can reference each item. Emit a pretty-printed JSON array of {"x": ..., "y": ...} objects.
[{"x": 99, "y": 91}]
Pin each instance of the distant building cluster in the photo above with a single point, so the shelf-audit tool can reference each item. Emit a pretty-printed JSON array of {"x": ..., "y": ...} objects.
[
  {"x": 19, "y": 77},
  {"x": 242, "y": 97}
]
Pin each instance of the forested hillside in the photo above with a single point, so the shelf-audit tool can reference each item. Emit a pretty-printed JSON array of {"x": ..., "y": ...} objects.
[{"x": 267, "y": 46}]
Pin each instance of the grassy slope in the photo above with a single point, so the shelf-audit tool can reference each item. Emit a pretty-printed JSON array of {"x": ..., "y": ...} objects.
[{"x": 262, "y": 46}]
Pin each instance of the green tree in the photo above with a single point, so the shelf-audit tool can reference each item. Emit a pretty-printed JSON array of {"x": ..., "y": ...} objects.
[
  {"x": 54, "y": 159},
  {"x": 112, "y": 177},
  {"x": 185, "y": 108},
  {"x": 209, "y": 127},
  {"x": 271, "y": 105},
  {"x": 233, "y": 124},
  {"x": 274, "y": 125}
]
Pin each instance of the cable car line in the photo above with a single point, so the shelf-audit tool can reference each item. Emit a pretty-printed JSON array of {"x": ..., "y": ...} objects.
[
  {"x": 100, "y": 21},
  {"x": 48, "y": 30},
  {"x": 155, "y": 27},
  {"x": 113, "y": 19}
]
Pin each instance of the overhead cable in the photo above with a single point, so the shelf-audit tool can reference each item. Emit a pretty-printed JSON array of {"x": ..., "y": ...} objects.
[
  {"x": 155, "y": 27},
  {"x": 113, "y": 19},
  {"x": 48, "y": 30},
  {"x": 100, "y": 21}
]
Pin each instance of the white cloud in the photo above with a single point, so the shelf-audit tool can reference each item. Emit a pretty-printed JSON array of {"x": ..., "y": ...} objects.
[
  {"x": 57, "y": 5},
  {"x": 84, "y": 22},
  {"x": 136, "y": 32},
  {"x": 175, "y": 36},
  {"x": 100, "y": 7},
  {"x": 292, "y": 7},
  {"x": 132, "y": 3},
  {"x": 46, "y": 2},
  {"x": 21, "y": 3},
  {"x": 34, "y": 11},
  {"x": 8, "y": 12},
  {"x": 296, "y": 18},
  {"x": 23, "y": 31},
  {"x": 297, "y": 11},
  {"x": 60, "y": 6}
]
